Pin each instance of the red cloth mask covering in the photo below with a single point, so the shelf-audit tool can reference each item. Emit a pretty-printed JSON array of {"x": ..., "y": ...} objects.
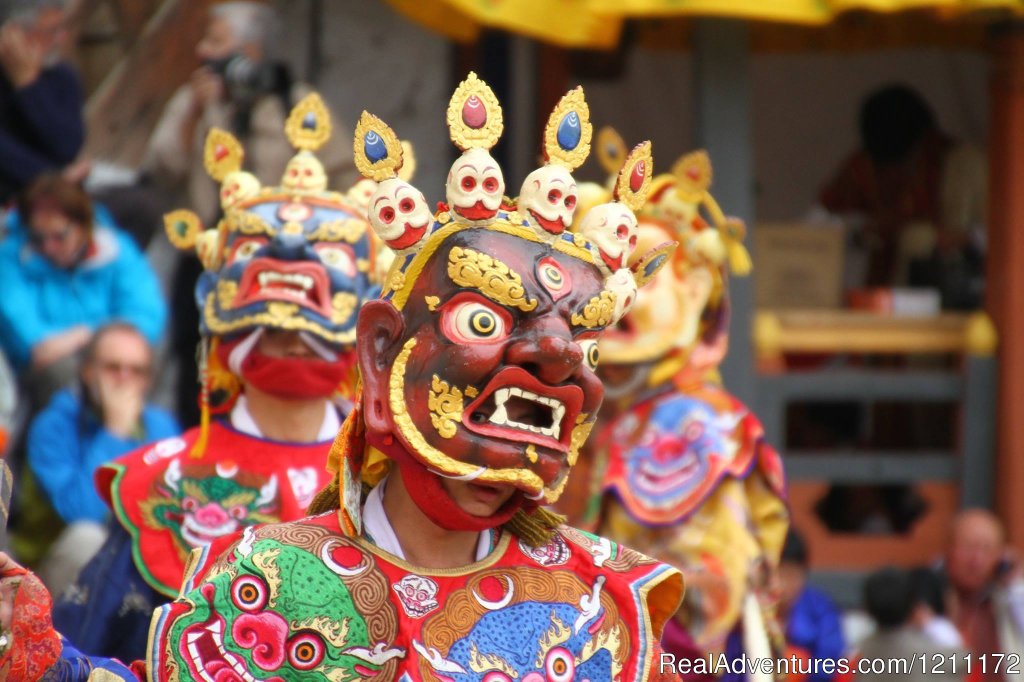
[{"x": 295, "y": 378}]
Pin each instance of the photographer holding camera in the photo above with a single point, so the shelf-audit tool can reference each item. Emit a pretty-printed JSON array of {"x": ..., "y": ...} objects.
[{"x": 238, "y": 88}]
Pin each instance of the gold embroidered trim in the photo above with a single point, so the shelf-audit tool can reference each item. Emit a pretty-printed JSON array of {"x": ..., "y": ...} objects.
[
  {"x": 279, "y": 316},
  {"x": 226, "y": 292},
  {"x": 248, "y": 223},
  {"x": 343, "y": 304},
  {"x": 491, "y": 277},
  {"x": 350, "y": 230},
  {"x": 598, "y": 311},
  {"x": 445, "y": 405}
]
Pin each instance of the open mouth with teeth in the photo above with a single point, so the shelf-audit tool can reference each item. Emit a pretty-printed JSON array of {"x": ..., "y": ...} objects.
[
  {"x": 555, "y": 226},
  {"x": 516, "y": 406},
  {"x": 303, "y": 282},
  {"x": 205, "y": 654}
]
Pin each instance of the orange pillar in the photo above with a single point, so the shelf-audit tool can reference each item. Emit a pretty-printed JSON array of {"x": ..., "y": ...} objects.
[{"x": 1005, "y": 274}]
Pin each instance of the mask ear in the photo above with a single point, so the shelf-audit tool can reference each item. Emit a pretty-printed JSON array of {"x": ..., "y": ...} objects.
[{"x": 379, "y": 329}]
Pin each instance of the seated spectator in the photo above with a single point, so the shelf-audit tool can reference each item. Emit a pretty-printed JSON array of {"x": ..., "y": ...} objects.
[
  {"x": 986, "y": 588},
  {"x": 919, "y": 196},
  {"x": 41, "y": 127},
  {"x": 811, "y": 618},
  {"x": 62, "y": 275},
  {"x": 899, "y": 644},
  {"x": 930, "y": 609},
  {"x": 241, "y": 89},
  {"x": 106, "y": 416}
]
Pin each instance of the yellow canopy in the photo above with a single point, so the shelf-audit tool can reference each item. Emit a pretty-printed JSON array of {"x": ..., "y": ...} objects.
[{"x": 597, "y": 23}]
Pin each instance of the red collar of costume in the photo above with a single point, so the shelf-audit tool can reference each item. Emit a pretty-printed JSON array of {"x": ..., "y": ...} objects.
[{"x": 427, "y": 490}]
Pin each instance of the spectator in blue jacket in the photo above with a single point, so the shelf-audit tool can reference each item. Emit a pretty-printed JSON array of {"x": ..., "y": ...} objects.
[
  {"x": 105, "y": 417},
  {"x": 41, "y": 126},
  {"x": 62, "y": 275},
  {"x": 813, "y": 621}
]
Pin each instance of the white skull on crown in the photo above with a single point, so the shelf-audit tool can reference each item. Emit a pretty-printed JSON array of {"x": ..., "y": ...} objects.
[
  {"x": 359, "y": 194},
  {"x": 475, "y": 186},
  {"x": 236, "y": 187},
  {"x": 304, "y": 174},
  {"x": 399, "y": 213},
  {"x": 548, "y": 199},
  {"x": 612, "y": 231}
]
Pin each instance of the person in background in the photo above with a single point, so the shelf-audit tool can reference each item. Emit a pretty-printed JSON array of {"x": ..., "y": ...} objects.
[
  {"x": 81, "y": 429},
  {"x": 433, "y": 574},
  {"x": 986, "y": 589},
  {"x": 242, "y": 89},
  {"x": 890, "y": 598},
  {"x": 278, "y": 325},
  {"x": 682, "y": 470},
  {"x": 238, "y": 88},
  {"x": 919, "y": 194},
  {"x": 41, "y": 125},
  {"x": 63, "y": 272},
  {"x": 930, "y": 608},
  {"x": 812, "y": 620}
]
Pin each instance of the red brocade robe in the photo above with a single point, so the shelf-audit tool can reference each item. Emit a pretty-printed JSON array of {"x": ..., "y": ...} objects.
[
  {"x": 303, "y": 601},
  {"x": 171, "y": 502}
]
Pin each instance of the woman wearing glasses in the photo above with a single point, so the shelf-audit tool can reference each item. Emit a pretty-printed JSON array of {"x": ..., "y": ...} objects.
[{"x": 64, "y": 272}]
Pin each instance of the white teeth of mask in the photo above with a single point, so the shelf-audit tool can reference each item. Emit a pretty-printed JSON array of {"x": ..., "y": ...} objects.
[
  {"x": 269, "y": 279},
  {"x": 555, "y": 408}
]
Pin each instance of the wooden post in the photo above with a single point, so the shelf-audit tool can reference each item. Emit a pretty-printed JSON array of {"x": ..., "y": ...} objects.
[
  {"x": 1005, "y": 274},
  {"x": 722, "y": 96},
  {"x": 121, "y": 114}
]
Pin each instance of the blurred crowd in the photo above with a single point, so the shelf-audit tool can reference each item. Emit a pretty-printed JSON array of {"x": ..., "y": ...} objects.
[
  {"x": 93, "y": 308},
  {"x": 98, "y": 310},
  {"x": 964, "y": 609}
]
